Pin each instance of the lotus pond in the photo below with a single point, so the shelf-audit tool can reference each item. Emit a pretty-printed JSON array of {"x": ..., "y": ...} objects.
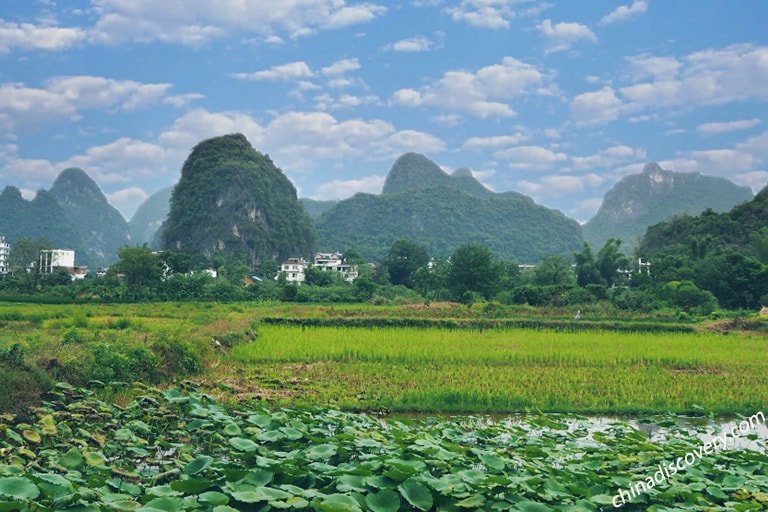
[{"x": 178, "y": 449}]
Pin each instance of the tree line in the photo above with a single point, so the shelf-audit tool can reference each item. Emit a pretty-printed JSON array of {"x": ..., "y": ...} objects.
[{"x": 698, "y": 282}]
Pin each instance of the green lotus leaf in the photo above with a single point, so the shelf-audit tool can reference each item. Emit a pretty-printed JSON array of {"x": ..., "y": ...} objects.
[
  {"x": 163, "y": 491},
  {"x": 321, "y": 451},
  {"x": 242, "y": 444},
  {"x": 31, "y": 436},
  {"x": 18, "y": 487},
  {"x": 232, "y": 430},
  {"x": 338, "y": 503},
  {"x": 124, "y": 505},
  {"x": 191, "y": 485},
  {"x": 166, "y": 504},
  {"x": 530, "y": 506},
  {"x": 197, "y": 465},
  {"x": 474, "y": 502},
  {"x": 94, "y": 459},
  {"x": 383, "y": 501},
  {"x": 213, "y": 498},
  {"x": 416, "y": 494},
  {"x": 291, "y": 433},
  {"x": 270, "y": 436},
  {"x": 348, "y": 483}
]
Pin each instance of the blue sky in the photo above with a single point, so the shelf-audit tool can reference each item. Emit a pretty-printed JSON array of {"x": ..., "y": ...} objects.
[{"x": 557, "y": 99}]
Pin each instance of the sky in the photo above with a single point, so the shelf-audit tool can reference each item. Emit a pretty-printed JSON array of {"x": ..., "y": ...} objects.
[{"x": 557, "y": 100}]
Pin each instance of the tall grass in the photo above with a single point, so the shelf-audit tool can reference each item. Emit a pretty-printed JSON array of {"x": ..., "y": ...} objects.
[{"x": 514, "y": 370}]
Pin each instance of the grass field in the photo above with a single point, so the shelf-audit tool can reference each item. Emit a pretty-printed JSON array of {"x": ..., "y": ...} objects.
[{"x": 410, "y": 369}]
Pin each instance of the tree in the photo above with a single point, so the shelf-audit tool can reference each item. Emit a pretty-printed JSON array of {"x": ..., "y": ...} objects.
[
  {"x": 24, "y": 260},
  {"x": 759, "y": 241},
  {"x": 175, "y": 262},
  {"x": 610, "y": 261},
  {"x": 553, "y": 271},
  {"x": 472, "y": 269},
  {"x": 586, "y": 267},
  {"x": 140, "y": 269},
  {"x": 403, "y": 259}
]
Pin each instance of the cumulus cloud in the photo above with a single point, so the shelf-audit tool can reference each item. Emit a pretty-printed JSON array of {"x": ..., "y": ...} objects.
[
  {"x": 492, "y": 14},
  {"x": 608, "y": 157},
  {"x": 596, "y": 107},
  {"x": 530, "y": 157},
  {"x": 481, "y": 94},
  {"x": 197, "y": 22},
  {"x": 727, "y": 127},
  {"x": 624, "y": 13},
  {"x": 127, "y": 200},
  {"x": 411, "y": 45},
  {"x": 342, "y": 189},
  {"x": 68, "y": 96},
  {"x": 482, "y": 143},
  {"x": 28, "y": 36},
  {"x": 561, "y": 36},
  {"x": 282, "y": 72},
  {"x": 341, "y": 67}
]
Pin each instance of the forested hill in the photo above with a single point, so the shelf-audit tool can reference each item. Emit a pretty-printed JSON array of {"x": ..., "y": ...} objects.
[
  {"x": 656, "y": 195},
  {"x": 231, "y": 201},
  {"x": 422, "y": 203},
  {"x": 103, "y": 230},
  {"x": 74, "y": 214},
  {"x": 744, "y": 229}
]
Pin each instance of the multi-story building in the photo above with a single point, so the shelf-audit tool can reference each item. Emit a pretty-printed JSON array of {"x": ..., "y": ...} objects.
[
  {"x": 51, "y": 259},
  {"x": 5, "y": 254},
  {"x": 335, "y": 261},
  {"x": 293, "y": 268}
]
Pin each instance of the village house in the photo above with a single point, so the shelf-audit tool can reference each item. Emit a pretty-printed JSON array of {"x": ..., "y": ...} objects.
[
  {"x": 5, "y": 252},
  {"x": 295, "y": 268}
]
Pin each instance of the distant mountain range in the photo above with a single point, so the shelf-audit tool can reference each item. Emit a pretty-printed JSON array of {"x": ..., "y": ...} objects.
[
  {"x": 422, "y": 203},
  {"x": 233, "y": 198}
]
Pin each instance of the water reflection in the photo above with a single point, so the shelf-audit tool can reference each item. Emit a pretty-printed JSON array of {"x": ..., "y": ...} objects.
[{"x": 656, "y": 428}]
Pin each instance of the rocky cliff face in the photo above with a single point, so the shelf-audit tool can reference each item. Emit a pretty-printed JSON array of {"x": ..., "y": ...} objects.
[
  {"x": 655, "y": 195},
  {"x": 232, "y": 202}
]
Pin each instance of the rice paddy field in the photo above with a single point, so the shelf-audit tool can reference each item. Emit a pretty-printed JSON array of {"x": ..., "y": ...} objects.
[{"x": 510, "y": 370}]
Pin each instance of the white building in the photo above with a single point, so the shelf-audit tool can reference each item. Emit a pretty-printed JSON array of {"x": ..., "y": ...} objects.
[
  {"x": 335, "y": 261},
  {"x": 51, "y": 259},
  {"x": 5, "y": 253},
  {"x": 293, "y": 268}
]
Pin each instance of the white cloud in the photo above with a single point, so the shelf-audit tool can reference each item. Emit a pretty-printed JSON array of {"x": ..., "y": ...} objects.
[
  {"x": 530, "y": 157},
  {"x": 563, "y": 35},
  {"x": 608, "y": 157},
  {"x": 90, "y": 92},
  {"x": 411, "y": 45},
  {"x": 37, "y": 37},
  {"x": 353, "y": 15},
  {"x": 724, "y": 161},
  {"x": 624, "y": 13},
  {"x": 756, "y": 180},
  {"x": 24, "y": 106},
  {"x": 493, "y": 142},
  {"x": 341, "y": 67},
  {"x": 197, "y": 22},
  {"x": 726, "y": 127},
  {"x": 596, "y": 107},
  {"x": 282, "y": 72},
  {"x": 711, "y": 77},
  {"x": 658, "y": 68},
  {"x": 477, "y": 93},
  {"x": 342, "y": 189},
  {"x": 493, "y": 14},
  {"x": 559, "y": 185},
  {"x": 127, "y": 200}
]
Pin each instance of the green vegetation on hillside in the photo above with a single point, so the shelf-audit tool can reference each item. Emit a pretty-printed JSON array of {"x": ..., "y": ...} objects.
[
  {"x": 233, "y": 203},
  {"x": 443, "y": 218}
]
